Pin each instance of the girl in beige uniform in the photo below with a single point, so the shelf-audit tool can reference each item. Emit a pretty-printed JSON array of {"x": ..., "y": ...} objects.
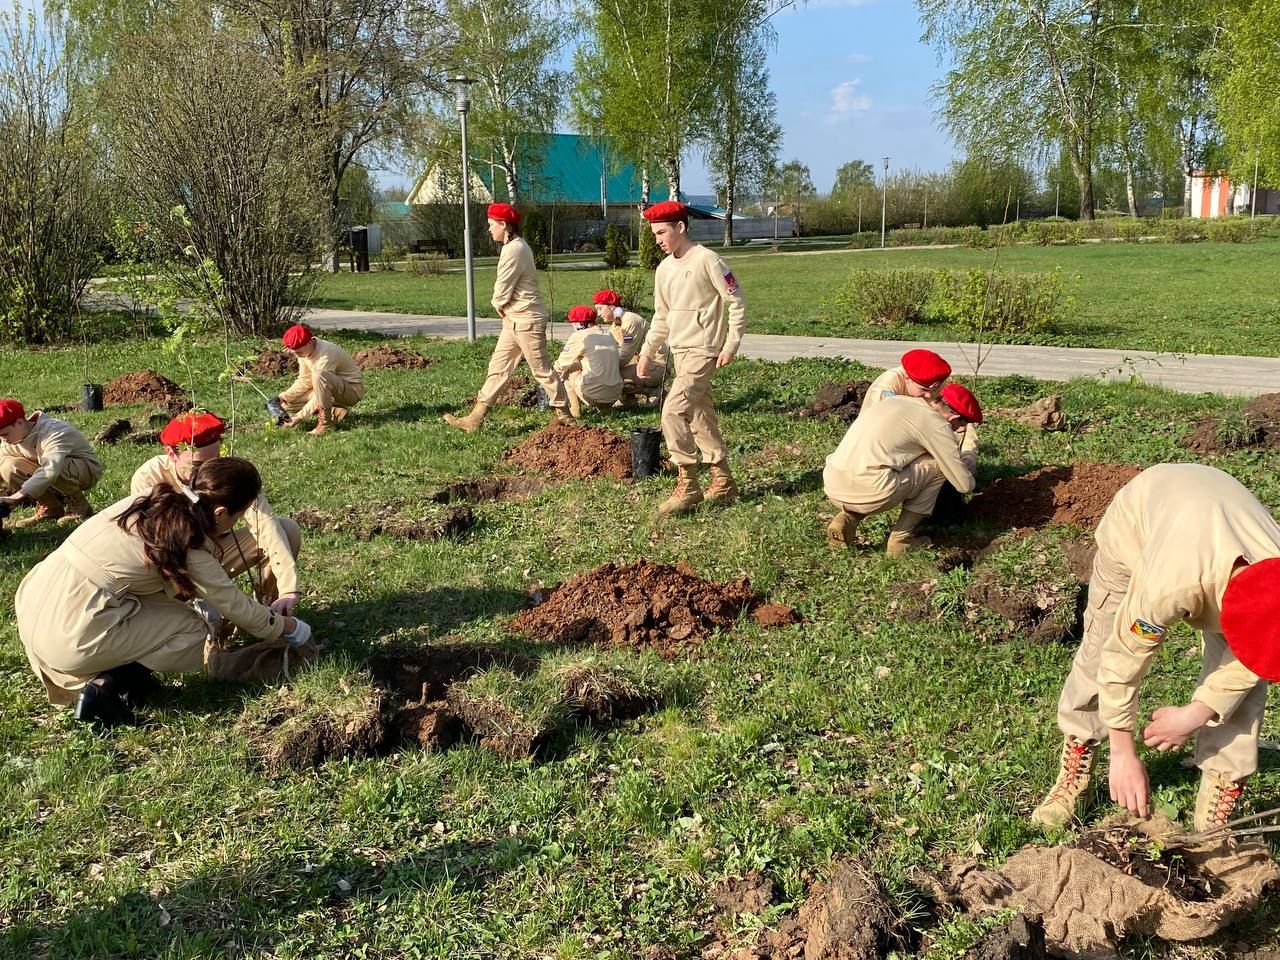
[
  {"x": 900, "y": 452},
  {"x": 921, "y": 374},
  {"x": 628, "y": 329},
  {"x": 1180, "y": 542},
  {"x": 329, "y": 381},
  {"x": 112, "y": 603},
  {"x": 524, "y": 323},
  {"x": 589, "y": 363},
  {"x": 45, "y": 460}
]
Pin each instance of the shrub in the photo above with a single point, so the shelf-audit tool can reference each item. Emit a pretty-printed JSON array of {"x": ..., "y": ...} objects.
[
  {"x": 387, "y": 258},
  {"x": 534, "y": 230},
  {"x": 630, "y": 285},
  {"x": 617, "y": 249},
  {"x": 998, "y": 302},
  {"x": 887, "y": 298},
  {"x": 426, "y": 264},
  {"x": 1231, "y": 230},
  {"x": 650, "y": 253}
]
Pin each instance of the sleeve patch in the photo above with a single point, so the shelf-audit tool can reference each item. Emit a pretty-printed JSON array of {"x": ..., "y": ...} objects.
[
  {"x": 628, "y": 337},
  {"x": 887, "y": 393},
  {"x": 1147, "y": 631},
  {"x": 731, "y": 281}
]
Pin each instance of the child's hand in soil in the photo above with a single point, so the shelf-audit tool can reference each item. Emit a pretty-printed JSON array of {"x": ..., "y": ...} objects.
[{"x": 1130, "y": 786}]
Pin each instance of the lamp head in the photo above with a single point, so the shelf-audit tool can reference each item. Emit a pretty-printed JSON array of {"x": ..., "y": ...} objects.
[{"x": 462, "y": 92}]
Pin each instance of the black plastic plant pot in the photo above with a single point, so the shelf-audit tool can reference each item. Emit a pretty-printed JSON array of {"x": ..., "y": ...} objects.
[
  {"x": 544, "y": 402},
  {"x": 646, "y": 460},
  {"x": 91, "y": 397},
  {"x": 276, "y": 409}
]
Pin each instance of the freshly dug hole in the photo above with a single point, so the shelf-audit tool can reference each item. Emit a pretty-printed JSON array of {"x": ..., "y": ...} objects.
[
  {"x": 365, "y": 521},
  {"x": 520, "y": 391},
  {"x": 481, "y": 489},
  {"x": 114, "y": 432},
  {"x": 1256, "y": 425},
  {"x": 1028, "y": 583},
  {"x": 383, "y": 357},
  {"x": 512, "y": 717},
  {"x": 841, "y": 401},
  {"x": 1077, "y": 494},
  {"x": 272, "y": 363},
  {"x": 322, "y": 717},
  {"x": 571, "y": 450},
  {"x": 145, "y": 386}
]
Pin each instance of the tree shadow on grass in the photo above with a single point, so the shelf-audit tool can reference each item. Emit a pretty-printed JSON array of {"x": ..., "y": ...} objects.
[
  {"x": 239, "y": 909},
  {"x": 440, "y": 610},
  {"x": 404, "y": 413}
]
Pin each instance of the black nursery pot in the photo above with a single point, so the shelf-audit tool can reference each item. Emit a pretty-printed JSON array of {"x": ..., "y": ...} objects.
[
  {"x": 645, "y": 452},
  {"x": 91, "y": 397}
]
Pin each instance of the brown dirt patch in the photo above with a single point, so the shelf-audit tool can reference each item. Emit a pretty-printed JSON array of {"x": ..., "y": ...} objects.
[
  {"x": 272, "y": 363},
  {"x": 1044, "y": 414},
  {"x": 116, "y": 431},
  {"x": 1256, "y": 425},
  {"x": 603, "y": 694},
  {"x": 386, "y": 358},
  {"x": 145, "y": 439},
  {"x": 643, "y": 604},
  {"x": 367, "y": 521},
  {"x": 145, "y": 386},
  {"x": 752, "y": 893},
  {"x": 290, "y": 733},
  {"x": 770, "y": 615},
  {"x": 519, "y": 391},
  {"x": 841, "y": 401},
  {"x": 571, "y": 450},
  {"x": 1022, "y": 938},
  {"x": 1077, "y": 494},
  {"x": 1137, "y": 855},
  {"x": 1039, "y": 613},
  {"x": 483, "y": 489}
]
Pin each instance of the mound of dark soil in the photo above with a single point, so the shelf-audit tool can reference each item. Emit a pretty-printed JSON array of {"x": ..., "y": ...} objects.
[
  {"x": 841, "y": 401},
  {"x": 116, "y": 431},
  {"x": 1137, "y": 855},
  {"x": 1022, "y": 938},
  {"x": 370, "y": 520},
  {"x": 1256, "y": 426},
  {"x": 272, "y": 363},
  {"x": 519, "y": 391},
  {"x": 1077, "y": 494},
  {"x": 752, "y": 893},
  {"x": 643, "y": 604},
  {"x": 571, "y": 450},
  {"x": 145, "y": 386},
  {"x": 483, "y": 489},
  {"x": 383, "y": 357}
]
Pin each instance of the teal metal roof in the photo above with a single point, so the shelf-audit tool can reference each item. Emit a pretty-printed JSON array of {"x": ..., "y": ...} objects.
[
  {"x": 566, "y": 168},
  {"x": 393, "y": 209}
]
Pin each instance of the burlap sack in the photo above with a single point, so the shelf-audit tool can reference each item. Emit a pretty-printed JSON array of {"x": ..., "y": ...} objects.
[
  {"x": 267, "y": 661},
  {"x": 1089, "y": 906}
]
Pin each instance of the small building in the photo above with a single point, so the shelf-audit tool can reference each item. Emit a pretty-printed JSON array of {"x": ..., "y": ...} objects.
[{"x": 1214, "y": 194}]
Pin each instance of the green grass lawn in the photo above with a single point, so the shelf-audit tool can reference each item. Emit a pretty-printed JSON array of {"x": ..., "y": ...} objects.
[
  {"x": 1201, "y": 298},
  {"x": 855, "y": 732}
]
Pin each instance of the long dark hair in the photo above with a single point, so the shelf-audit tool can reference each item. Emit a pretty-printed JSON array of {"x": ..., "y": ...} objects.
[{"x": 170, "y": 525}]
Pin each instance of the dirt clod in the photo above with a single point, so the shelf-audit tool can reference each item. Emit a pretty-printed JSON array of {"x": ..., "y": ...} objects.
[
  {"x": 519, "y": 391},
  {"x": 1022, "y": 938},
  {"x": 298, "y": 732},
  {"x": 1137, "y": 855},
  {"x": 1255, "y": 425},
  {"x": 483, "y": 489},
  {"x": 1043, "y": 414},
  {"x": 383, "y": 357},
  {"x": 145, "y": 439},
  {"x": 752, "y": 893},
  {"x": 643, "y": 604},
  {"x": 603, "y": 694},
  {"x": 571, "y": 450},
  {"x": 367, "y": 521},
  {"x": 775, "y": 615},
  {"x": 145, "y": 386},
  {"x": 1077, "y": 494},
  {"x": 114, "y": 432},
  {"x": 272, "y": 363},
  {"x": 841, "y": 401}
]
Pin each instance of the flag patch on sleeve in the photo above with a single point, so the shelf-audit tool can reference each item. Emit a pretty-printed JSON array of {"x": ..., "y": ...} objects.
[
  {"x": 628, "y": 337},
  {"x": 731, "y": 281},
  {"x": 1147, "y": 631}
]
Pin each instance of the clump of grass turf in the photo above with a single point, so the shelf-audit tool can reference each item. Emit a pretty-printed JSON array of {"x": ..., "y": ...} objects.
[
  {"x": 606, "y": 689},
  {"x": 332, "y": 711},
  {"x": 510, "y": 715},
  {"x": 1025, "y": 589}
]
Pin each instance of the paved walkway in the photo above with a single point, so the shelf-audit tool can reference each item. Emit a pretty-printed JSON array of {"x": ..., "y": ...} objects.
[{"x": 1187, "y": 373}]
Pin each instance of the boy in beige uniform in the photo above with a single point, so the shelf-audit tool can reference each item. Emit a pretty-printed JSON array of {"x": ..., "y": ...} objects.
[
  {"x": 1180, "y": 542},
  {"x": 265, "y": 541},
  {"x": 901, "y": 452},
  {"x": 588, "y": 364},
  {"x": 699, "y": 312},
  {"x": 48, "y": 461},
  {"x": 518, "y": 302},
  {"x": 329, "y": 381},
  {"x": 629, "y": 329},
  {"x": 921, "y": 375}
]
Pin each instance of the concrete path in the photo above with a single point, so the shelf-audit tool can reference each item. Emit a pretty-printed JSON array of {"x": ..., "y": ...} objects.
[{"x": 1186, "y": 373}]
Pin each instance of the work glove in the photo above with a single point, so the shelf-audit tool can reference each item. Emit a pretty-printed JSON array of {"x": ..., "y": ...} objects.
[{"x": 300, "y": 635}]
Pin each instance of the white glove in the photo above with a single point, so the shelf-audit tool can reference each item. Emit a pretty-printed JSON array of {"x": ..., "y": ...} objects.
[{"x": 300, "y": 635}]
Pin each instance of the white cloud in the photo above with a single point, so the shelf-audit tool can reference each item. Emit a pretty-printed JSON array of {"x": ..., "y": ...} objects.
[
  {"x": 859, "y": 58},
  {"x": 846, "y": 99}
]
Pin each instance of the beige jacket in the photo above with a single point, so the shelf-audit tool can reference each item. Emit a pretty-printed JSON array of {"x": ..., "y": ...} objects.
[
  {"x": 515, "y": 290},
  {"x": 327, "y": 358},
  {"x": 259, "y": 518},
  {"x": 628, "y": 331},
  {"x": 51, "y": 443},
  {"x": 891, "y": 383},
  {"x": 597, "y": 351},
  {"x": 866, "y": 467},
  {"x": 1178, "y": 529},
  {"x": 698, "y": 306}
]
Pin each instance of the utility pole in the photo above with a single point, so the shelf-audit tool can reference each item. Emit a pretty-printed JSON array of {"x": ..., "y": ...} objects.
[
  {"x": 1253, "y": 194},
  {"x": 462, "y": 93},
  {"x": 859, "y": 212},
  {"x": 884, "y": 200},
  {"x": 1057, "y": 189}
]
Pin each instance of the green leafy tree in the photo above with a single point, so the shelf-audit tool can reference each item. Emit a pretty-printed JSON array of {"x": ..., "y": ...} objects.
[
  {"x": 852, "y": 178},
  {"x": 791, "y": 188},
  {"x": 358, "y": 196},
  {"x": 1246, "y": 86},
  {"x": 617, "y": 251}
]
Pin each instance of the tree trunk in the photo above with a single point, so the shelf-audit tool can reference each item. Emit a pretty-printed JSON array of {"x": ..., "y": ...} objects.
[
  {"x": 672, "y": 164},
  {"x": 335, "y": 243},
  {"x": 730, "y": 191},
  {"x": 646, "y": 185}
]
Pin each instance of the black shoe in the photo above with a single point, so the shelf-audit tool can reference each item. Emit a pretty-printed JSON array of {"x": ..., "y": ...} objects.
[
  {"x": 136, "y": 683},
  {"x": 102, "y": 705}
]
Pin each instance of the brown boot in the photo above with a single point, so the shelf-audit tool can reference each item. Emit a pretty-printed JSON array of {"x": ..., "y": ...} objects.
[
  {"x": 1072, "y": 791},
  {"x": 564, "y": 416},
  {"x": 1216, "y": 801},
  {"x": 471, "y": 422},
  {"x": 575, "y": 404},
  {"x": 76, "y": 508},
  {"x": 322, "y": 424},
  {"x": 723, "y": 488},
  {"x": 340, "y": 414},
  {"x": 49, "y": 507},
  {"x": 843, "y": 529},
  {"x": 685, "y": 496},
  {"x": 901, "y": 536}
]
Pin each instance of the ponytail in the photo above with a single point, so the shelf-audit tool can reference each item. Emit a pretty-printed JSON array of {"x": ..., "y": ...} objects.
[{"x": 171, "y": 523}]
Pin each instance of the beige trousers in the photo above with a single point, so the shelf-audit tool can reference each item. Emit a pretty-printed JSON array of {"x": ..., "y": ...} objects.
[
  {"x": 239, "y": 551},
  {"x": 689, "y": 414},
  {"x": 529, "y": 344},
  {"x": 1229, "y": 748},
  {"x": 330, "y": 391},
  {"x": 916, "y": 488},
  {"x": 631, "y": 380},
  {"x": 77, "y": 475},
  {"x": 574, "y": 384}
]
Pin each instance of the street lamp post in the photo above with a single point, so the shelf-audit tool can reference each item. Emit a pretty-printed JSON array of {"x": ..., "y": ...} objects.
[
  {"x": 884, "y": 200},
  {"x": 462, "y": 92}
]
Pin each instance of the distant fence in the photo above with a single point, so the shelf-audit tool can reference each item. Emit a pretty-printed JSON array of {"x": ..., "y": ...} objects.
[{"x": 748, "y": 228}]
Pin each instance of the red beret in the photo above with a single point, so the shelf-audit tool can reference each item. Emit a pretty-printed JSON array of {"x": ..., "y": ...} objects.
[
  {"x": 297, "y": 336},
  {"x": 668, "y": 211},
  {"x": 10, "y": 412},
  {"x": 925, "y": 367},
  {"x": 963, "y": 402},
  {"x": 504, "y": 212},
  {"x": 193, "y": 430},
  {"x": 608, "y": 298},
  {"x": 582, "y": 314},
  {"x": 1251, "y": 618}
]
